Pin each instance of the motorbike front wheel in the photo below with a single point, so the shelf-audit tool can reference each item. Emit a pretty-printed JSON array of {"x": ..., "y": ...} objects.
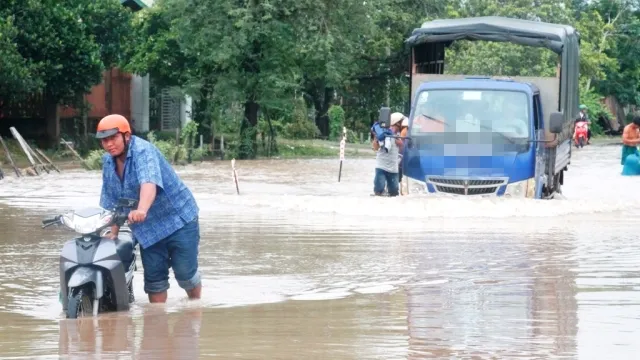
[
  {"x": 581, "y": 141},
  {"x": 80, "y": 302}
]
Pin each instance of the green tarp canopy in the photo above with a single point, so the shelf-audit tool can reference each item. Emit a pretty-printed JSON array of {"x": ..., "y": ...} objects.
[
  {"x": 134, "y": 4},
  {"x": 557, "y": 38}
]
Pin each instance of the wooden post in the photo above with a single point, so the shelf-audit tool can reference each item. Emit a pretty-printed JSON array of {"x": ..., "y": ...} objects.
[
  {"x": 235, "y": 175},
  {"x": 24, "y": 147},
  {"x": 8, "y": 154},
  {"x": 342, "y": 146},
  {"x": 38, "y": 159},
  {"x": 46, "y": 158},
  {"x": 75, "y": 153}
]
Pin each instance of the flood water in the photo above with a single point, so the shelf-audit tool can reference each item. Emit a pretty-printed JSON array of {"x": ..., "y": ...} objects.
[{"x": 301, "y": 266}]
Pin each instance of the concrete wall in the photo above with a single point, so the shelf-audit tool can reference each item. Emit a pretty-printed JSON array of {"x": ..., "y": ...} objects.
[
  {"x": 140, "y": 103},
  {"x": 111, "y": 96}
]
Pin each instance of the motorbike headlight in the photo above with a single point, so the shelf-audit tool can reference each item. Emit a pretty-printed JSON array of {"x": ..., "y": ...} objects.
[
  {"x": 87, "y": 225},
  {"x": 521, "y": 189}
]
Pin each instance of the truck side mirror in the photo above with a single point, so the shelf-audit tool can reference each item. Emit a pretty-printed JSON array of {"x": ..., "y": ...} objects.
[
  {"x": 385, "y": 117},
  {"x": 556, "y": 121}
]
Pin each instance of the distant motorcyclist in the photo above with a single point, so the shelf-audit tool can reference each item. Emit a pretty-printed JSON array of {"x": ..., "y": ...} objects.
[{"x": 583, "y": 116}]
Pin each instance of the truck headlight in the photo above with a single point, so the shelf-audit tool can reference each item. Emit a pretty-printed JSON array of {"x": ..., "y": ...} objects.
[{"x": 521, "y": 189}]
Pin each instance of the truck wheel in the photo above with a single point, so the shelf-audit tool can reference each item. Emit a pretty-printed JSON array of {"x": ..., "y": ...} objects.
[{"x": 557, "y": 184}]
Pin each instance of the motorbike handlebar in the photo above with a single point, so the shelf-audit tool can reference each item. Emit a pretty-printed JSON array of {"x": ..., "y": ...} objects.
[
  {"x": 120, "y": 219},
  {"x": 51, "y": 221}
]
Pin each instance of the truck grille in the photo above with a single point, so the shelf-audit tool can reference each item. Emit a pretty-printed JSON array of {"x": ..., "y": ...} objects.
[{"x": 463, "y": 186}]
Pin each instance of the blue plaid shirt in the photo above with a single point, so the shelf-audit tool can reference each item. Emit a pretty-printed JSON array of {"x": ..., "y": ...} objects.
[{"x": 174, "y": 205}]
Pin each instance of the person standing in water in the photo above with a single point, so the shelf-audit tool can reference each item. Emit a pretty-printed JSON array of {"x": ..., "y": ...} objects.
[
  {"x": 387, "y": 160},
  {"x": 165, "y": 224},
  {"x": 630, "y": 138}
]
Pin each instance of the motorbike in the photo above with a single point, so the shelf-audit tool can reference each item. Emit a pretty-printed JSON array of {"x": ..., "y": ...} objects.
[
  {"x": 581, "y": 131},
  {"x": 96, "y": 273}
]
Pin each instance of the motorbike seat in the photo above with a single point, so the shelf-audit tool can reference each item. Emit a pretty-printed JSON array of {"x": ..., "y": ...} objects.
[{"x": 124, "y": 248}]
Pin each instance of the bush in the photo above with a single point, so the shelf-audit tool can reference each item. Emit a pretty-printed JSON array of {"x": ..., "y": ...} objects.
[
  {"x": 198, "y": 153},
  {"x": 300, "y": 111},
  {"x": 277, "y": 125},
  {"x": 301, "y": 129},
  {"x": 189, "y": 134},
  {"x": 336, "y": 121},
  {"x": 352, "y": 137},
  {"x": 93, "y": 161},
  {"x": 172, "y": 152}
]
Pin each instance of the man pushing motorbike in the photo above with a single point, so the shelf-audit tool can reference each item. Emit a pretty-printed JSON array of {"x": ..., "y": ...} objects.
[{"x": 165, "y": 224}]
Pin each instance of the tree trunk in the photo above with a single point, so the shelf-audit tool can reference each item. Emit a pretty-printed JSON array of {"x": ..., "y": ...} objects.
[
  {"x": 273, "y": 144},
  {"x": 248, "y": 129},
  {"x": 321, "y": 104},
  {"x": 615, "y": 124},
  {"x": 52, "y": 119},
  {"x": 248, "y": 144}
]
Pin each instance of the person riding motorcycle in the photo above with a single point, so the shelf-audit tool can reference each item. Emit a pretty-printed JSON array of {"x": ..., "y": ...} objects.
[{"x": 583, "y": 117}]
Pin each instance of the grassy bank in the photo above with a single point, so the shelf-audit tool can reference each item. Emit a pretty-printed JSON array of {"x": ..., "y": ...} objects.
[
  {"x": 320, "y": 148},
  {"x": 606, "y": 140}
]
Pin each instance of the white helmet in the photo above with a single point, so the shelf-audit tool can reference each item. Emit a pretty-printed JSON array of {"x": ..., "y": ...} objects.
[{"x": 396, "y": 117}]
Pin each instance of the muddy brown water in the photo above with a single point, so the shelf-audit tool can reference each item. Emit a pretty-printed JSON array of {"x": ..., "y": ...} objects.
[{"x": 301, "y": 266}]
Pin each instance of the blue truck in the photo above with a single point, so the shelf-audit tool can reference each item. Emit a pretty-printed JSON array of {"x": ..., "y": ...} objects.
[{"x": 485, "y": 135}]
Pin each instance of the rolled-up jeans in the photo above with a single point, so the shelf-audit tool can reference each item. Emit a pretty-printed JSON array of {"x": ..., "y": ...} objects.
[
  {"x": 382, "y": 177},
  {"x": 178, "y": 251}
]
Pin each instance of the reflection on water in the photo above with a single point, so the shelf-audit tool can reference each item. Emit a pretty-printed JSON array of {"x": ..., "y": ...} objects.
[
  {"x": 300, "y": 266},
  {"x": 114, "y": 334}
]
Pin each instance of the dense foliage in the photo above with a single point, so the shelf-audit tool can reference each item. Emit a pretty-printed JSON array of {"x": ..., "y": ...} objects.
[
  {"x": 59, "y": 48},
  {"x": 300, "y": 68}
]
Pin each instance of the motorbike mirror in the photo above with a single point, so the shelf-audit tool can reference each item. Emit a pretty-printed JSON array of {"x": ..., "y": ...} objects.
[{"x": 127, "y": 203}]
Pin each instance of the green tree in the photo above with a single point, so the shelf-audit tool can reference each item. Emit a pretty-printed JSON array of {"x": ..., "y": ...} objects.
[
  {"x": 156, "y": 48},
  {"x": 17, "y": 74},
  {"x": 61, "y": 48},
  {"x": 246, "y": 51},
  {"x": 265, "y": 55}
]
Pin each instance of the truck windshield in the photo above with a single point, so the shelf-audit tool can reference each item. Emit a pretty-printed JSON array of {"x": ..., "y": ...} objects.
[{"x": 483, "y": 112}]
